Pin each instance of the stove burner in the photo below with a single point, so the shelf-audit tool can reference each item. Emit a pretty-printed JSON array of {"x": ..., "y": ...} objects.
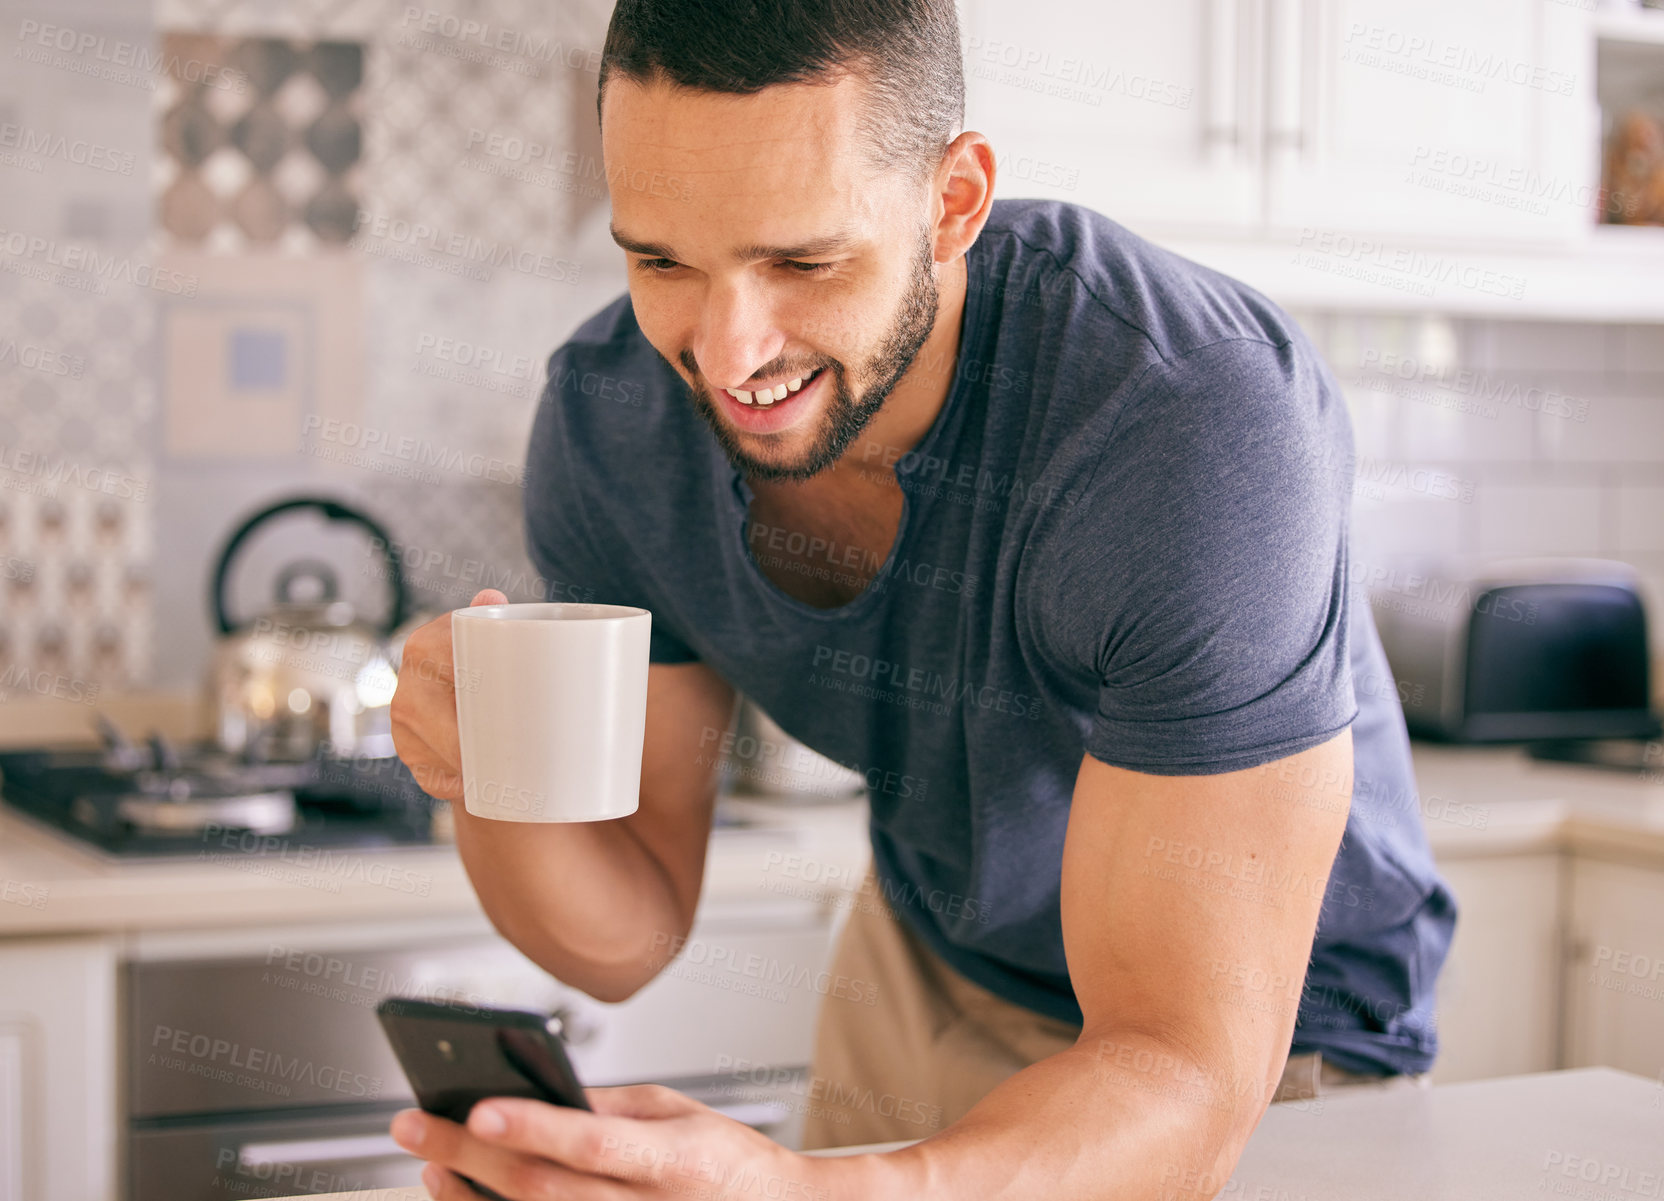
[{"x": 171, "y": 801}]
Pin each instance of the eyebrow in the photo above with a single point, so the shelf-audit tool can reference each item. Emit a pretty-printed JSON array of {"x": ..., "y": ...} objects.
[{"x": 814, "y": 247}]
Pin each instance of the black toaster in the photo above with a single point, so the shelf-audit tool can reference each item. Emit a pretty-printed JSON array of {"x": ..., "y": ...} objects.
[{"x": 1522, "y": 651}]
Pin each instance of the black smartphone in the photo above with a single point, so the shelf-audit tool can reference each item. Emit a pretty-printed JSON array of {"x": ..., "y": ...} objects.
[{"x": 456, "y": 1055}]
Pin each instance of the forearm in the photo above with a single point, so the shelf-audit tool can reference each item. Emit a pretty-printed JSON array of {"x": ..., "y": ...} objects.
[
  {"x": 585, "y": 901},
  {"x": 1112, "y": 1117}
]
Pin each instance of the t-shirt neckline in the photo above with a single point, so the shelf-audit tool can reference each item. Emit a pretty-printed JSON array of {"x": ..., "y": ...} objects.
[{"x": 740, "y": 492}]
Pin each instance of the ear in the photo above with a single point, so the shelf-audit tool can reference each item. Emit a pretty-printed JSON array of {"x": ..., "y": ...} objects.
[{"x": 964, "y": 193}]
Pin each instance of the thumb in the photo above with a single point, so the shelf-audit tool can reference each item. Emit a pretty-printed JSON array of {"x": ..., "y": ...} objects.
[{"x": 488, "y": 596}]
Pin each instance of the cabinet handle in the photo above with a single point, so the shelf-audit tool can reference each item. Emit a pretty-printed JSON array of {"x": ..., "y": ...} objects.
[
  {"x": 347, "y": 1148},
  {"x": 575, "y": 1031},
  {"x": 1223, "y": 133},
  {"x": 1285, "y": 124}
]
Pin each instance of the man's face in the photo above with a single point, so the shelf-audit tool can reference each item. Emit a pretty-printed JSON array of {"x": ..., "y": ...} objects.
[{"x": 763, "y": 250}]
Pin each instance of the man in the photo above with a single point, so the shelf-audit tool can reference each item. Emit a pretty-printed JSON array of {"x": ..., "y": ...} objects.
[{"x": 997, "y": 498}]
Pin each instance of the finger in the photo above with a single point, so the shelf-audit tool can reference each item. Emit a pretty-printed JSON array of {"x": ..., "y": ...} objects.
[
  {"x": 488, "y": 596},
  {"x": 446, "y": 1186},
  {"x": 641, "y": 1101},
  {"x": 509, "y": 1173},
  {"x": 429, "y": 659},
  {"x": 589, "y": 1143},
  {"x": 443, "y": 1185},
  {"x": 427, "y": 767}
]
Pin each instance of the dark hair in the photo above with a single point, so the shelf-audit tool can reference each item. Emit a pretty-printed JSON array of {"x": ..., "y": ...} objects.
[{"x": 907, "y": 51}]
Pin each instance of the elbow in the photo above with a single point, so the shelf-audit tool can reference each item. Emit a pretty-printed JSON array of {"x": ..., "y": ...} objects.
[
  {"x": 623, "y": 974},
  {"x": 617, "y": 978},
  {"x": 612, "y": 979},
  {"x": 612, "y": 983},
  {"x": 614, "y": 990}
]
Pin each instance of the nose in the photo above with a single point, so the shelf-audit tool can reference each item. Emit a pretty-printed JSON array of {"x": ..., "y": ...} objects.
[{"x": 736, "y": 336}]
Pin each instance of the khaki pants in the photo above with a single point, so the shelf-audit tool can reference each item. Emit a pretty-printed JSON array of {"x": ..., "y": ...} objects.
[{"x": 932, "y": 1043}]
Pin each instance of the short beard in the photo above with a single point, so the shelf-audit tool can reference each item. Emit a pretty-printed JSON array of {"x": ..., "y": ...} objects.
[{"x": 847, "y": 414}]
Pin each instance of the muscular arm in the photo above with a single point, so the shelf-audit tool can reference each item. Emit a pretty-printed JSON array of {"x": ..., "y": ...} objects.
[
  {"x": 595, "y": 903},
  {"x": 1172, "y": 888}
]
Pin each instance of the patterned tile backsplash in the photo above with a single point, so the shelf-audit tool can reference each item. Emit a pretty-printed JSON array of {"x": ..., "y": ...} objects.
[
  {"x": 77, "y": 482},
  {"x": 261, "y": 144}
]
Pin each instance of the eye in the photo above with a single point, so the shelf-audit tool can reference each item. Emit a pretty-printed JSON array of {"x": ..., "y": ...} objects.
[
  {"x": 808, "y": 268},
  {"x": 656, "y": 266}
]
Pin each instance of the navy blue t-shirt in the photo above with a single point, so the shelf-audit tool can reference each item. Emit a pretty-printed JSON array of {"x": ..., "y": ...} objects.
[{"x": 1125, "y": 534}]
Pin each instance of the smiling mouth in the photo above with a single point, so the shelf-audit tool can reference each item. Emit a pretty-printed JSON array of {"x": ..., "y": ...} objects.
[{"x": 766, "y": 398}]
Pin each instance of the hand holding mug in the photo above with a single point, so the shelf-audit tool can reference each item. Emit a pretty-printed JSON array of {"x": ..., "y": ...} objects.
[{"x": 424, "y": 705}]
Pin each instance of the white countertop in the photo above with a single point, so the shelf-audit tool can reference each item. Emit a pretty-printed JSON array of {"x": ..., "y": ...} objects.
[
  {"x": 1486, "y": 1140},
  {"x": 49, "y": 884},
  {"x": 1594, "y": 1134},
  {"x": 1494, "y": 801},
  {"x": 1476, "y": 802}
]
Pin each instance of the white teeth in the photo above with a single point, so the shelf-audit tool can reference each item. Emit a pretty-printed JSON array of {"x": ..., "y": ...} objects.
[{"x": 764, "y": 397}]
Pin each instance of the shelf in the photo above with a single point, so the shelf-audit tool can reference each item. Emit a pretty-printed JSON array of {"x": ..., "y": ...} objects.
[
  {"x": 1632, "y": 27},
  {"x": 1612, "y": 274}
]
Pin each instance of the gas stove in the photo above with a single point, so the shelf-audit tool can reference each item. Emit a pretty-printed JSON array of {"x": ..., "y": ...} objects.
[{"x": 164, "y": 800}]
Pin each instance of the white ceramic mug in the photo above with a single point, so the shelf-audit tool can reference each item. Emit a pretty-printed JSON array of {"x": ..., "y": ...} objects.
[{"x": 551, "y": 709}]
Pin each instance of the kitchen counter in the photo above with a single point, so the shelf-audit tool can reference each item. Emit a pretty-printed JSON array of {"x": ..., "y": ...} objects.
[
  {"x": 1593, "y": 1134},
  {"x": 1476, "y": 802},
  {"x": 1497, "y": 801},
  {"x": 53, "y": 884},
  {"x": 49, "y": 884}
]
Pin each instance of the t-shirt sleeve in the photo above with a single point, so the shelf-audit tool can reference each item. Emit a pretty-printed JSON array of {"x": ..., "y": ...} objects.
[
  {"x": 565, "y": 540},
  {"x": 1202, "y": 576}
]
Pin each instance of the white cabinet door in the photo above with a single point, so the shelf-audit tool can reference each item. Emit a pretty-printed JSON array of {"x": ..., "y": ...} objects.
[
  {"x": 1145, "y": 112},
  {"x": 58, "y": 1071},
  {"x": 1426, "y": 118},
  {"x": 1614, "y": 982},
  {"x": 1496, "y": 994}
]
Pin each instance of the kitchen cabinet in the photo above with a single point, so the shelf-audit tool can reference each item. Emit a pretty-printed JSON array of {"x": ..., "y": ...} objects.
[
  {"x": 1497, "y": 1013},
  {"x": 1146, "y": 113},
  {"x": 1419, "y": 117},
  {"x": 57, "y": 1078},
  {"x": 1557, "y": 962},
  {"x": 1614, "y": 973},
  {"x": 1395, "y": 118}
]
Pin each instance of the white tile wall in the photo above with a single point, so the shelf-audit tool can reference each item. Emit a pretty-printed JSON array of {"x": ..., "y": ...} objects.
[
  {"x": 1640, "y": 521},
  {"x": 1531, "y": 519},
  {"x": 1641, "y": 349},
  {"x": 1580, "y": 476}
]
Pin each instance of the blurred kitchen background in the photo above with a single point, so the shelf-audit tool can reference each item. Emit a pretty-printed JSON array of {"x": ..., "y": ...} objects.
[
  {"x": 295, "y": 207},
  {"x": 252, "y": 250}
]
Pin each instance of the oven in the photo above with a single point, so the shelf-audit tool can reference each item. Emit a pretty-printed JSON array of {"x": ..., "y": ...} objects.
[{"x": 255, "y": 1067}]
